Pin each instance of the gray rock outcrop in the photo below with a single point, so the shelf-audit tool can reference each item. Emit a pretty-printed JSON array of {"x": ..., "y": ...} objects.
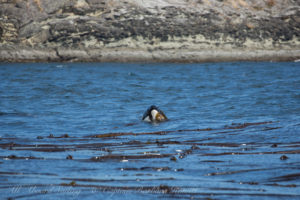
[{"x": 149, "y": 30}]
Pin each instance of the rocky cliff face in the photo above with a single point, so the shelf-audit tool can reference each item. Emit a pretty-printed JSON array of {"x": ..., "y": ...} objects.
[{"x": 149, "y": 30}]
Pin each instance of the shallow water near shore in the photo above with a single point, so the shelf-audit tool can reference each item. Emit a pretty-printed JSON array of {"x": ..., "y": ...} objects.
[{"x": 73, "y": 131}]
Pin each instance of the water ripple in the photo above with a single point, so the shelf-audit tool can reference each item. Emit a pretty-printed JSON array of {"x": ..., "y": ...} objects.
[{"x": 233, "y": 131}]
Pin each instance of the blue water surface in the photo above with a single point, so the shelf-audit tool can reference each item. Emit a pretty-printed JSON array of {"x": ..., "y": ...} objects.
[
  {"x": 82, "y": 100},
  {"x": 89, "y": 98}
]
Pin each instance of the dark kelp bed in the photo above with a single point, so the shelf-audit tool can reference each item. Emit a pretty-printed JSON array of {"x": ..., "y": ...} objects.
[{"x": 177, "y": 164}]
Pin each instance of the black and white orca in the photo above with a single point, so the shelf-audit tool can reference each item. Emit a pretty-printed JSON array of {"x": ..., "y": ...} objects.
[{"x": 154, "y": 114}]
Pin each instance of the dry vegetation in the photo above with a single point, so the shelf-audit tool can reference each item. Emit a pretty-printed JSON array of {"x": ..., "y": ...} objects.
[
  {"x": 270, "y": 3},
  {"x": 38, "y": 3}
]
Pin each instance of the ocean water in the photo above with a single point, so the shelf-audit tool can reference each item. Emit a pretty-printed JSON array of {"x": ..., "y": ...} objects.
[{"x": 73, "y": 131}]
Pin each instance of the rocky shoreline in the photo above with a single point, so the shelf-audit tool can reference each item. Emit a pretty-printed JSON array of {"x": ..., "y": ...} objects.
[
  {"x": 136, "y": 55},
  {"x": 149, "y": 31}
]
